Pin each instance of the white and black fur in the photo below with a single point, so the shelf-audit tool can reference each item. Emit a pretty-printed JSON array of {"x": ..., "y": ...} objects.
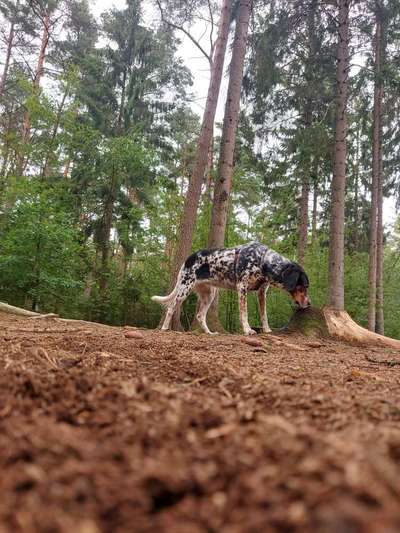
[{"x": 250, "y": 267}]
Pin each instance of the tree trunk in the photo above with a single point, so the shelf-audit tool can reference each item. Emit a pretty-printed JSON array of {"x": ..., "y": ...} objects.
[
  {"x": 122, "y": 103},
  {"x": 376, "y": 141},
  {"x": 303, "y": 219},
  {"x": 67, "y": 166},
  {"x": 209, "y": 170},
  {"x": 10, "y": 43},
  {"x": 356, "y": 229},
  {"x": 336, "y": 242},
  {"x": 192, "y": 198},
  {"x": 105, "y": 241},
  {"x": 379, "y": 326},
  {"x": 223, "y": 183},
  {"x": 314, "y": 214}
]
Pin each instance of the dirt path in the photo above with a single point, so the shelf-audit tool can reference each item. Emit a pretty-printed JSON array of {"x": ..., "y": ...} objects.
[{"x": 187, "y": 434}]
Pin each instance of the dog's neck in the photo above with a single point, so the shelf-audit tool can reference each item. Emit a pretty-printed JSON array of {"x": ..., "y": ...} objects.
[{"x": 273, "y": 265}]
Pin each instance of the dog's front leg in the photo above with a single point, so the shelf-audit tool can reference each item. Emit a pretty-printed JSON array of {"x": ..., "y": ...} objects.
[
  {"x": 262, "y": 291},
  {"x": 242, "y": 291}
]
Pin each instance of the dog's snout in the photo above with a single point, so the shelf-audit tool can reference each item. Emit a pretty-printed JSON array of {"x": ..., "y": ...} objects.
[{"x": 303, "y": 304}]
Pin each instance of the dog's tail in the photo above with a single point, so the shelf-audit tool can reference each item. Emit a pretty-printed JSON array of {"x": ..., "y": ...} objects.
[{"x": 165, "y": 300}]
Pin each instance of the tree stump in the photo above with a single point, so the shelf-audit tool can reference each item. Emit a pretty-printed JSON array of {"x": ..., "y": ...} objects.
[{"x": 310, "y": 322}]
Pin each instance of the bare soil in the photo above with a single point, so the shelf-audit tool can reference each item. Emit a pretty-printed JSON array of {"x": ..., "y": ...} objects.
[{"x": 189, "y": 433}]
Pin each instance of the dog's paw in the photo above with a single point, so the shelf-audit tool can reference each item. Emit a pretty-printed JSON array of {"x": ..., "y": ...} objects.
[
  {"x": 267, "y": 330},
  {"x": 250, "y": 332}
]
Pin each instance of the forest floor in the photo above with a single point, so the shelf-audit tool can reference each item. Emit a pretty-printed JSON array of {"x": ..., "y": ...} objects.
[{"x": 185, "y": 433}]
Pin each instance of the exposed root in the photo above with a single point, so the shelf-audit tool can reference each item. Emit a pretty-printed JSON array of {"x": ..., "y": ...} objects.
[{"x": 341, "y": 325}]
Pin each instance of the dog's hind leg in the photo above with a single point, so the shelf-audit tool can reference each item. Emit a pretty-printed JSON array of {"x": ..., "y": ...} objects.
[
  {"x": 206, "y": 295},
  {"x": 262, "y": 291},
  {"x": 168, "y": 316},
  {"x": 242, "y": 291},
  {"x": 183, "y": 292}
]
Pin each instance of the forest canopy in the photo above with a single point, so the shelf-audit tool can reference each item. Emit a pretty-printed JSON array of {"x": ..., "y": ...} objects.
[{"x": 99, "y": 148}]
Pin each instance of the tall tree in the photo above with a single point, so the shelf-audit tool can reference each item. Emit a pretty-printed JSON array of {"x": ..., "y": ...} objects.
[
  {"x": 223, "y": 182},
  {"x": 308, "y": 110},
  {"x": 336, "y": 242},
  {"x": 192, "y": 198},
  {"x": 376, "y": 168},
  {"x": 379, "y": 325}
]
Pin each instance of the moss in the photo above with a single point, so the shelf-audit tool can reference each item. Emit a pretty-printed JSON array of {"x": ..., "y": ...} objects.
[{"x": 311, "y": 322}]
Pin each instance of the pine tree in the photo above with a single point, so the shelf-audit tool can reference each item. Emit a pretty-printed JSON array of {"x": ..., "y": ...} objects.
[{"x": 336, "y": 241}]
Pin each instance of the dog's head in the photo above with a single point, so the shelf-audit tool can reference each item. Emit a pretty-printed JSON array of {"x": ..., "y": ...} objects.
[{"x": 295, "y": 281}]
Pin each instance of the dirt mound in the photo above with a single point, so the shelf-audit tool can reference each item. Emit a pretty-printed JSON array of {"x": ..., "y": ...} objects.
[{"x": 175, "y": 432}]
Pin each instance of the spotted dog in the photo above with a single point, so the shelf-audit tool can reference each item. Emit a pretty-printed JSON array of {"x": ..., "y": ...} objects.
[{"x": 250, "y": 267}]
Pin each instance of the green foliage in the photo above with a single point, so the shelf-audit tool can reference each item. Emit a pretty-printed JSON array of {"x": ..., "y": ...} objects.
[{"x": 40, "y": 253}]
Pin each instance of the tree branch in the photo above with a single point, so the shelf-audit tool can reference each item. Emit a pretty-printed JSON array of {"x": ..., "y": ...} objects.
[{"x": 183, "y": 30}]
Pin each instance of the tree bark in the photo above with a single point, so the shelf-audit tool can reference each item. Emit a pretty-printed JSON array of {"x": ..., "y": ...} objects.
[
  {"x": 122, "y": 103},
  {"x": 356, "y": 229},
  {"x": 303, "y": 219},
  {"x": 376, "y": 141},
  {"x": 192, "y": 198},
  {"x": 105, "y": 241},
  {"x": 380, "y": 322},
  {"x": 223, "y": 183},
  {"x": 314, "y": 214},
  {"x": 336, "y": 242}
]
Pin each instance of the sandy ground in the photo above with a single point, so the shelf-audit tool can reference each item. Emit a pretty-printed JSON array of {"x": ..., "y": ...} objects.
[{"x": 173, "y": 432}]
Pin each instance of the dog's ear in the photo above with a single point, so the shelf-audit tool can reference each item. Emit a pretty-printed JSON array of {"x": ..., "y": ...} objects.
[
  {"x": 303, "y": 280},
  {"x": 290, "y": 277}
]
